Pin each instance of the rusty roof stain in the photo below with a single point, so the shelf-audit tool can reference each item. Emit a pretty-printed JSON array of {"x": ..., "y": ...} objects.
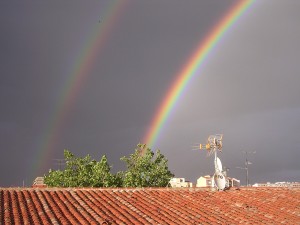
[{"x": 149, "y": 206}]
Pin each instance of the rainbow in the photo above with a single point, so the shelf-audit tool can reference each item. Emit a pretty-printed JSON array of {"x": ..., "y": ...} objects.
[
  {"x": 78, "y": 73},
  {"x": 192, "y": 68}
]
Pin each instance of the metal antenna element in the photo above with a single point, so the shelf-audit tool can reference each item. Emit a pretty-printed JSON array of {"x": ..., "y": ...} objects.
[
  {"x": 213, "y": 145},
  {"x": 247, "y": 162},
  {"x": 59, "y": 162}
]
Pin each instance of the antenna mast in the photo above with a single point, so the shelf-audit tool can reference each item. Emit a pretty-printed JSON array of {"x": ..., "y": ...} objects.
[
  {"x": 247, "y": 162},
  {"x": 60, "y": 163},
  {"x": 213, "y": 145}
]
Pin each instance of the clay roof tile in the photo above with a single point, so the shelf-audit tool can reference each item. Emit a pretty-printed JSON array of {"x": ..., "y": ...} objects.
[{"x": 149, "y": 206}]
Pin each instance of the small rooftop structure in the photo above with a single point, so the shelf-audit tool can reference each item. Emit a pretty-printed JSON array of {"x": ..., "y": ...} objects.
[
  {"x": 277, "y": 184},
  {"x": 205, "y": 181},
  {"x": 208, "y": 181},
  {"x": 39, "y": 182},
  {"x": 180, "y": 182},
  {"x": 232, "y": 182}
]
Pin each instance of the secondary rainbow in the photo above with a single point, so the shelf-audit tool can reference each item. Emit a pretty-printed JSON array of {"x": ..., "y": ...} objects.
[
  {"x": 78, "y": 73},
  {"x": 191, "y": 68}
]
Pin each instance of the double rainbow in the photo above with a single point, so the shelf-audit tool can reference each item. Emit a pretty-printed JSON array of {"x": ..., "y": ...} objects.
[
  {"x": 87, "y": 57},
  {"x": 192, "y": 68}
]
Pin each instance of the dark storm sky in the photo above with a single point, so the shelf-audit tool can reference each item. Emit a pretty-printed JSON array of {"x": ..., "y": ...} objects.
[{"x": 248, "y": 89}]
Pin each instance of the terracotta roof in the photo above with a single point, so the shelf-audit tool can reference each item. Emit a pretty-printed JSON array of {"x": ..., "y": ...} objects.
[{"x": 149, "y": 206}]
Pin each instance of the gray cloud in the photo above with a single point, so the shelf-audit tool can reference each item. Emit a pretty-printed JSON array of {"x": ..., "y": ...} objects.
[{"x": 247, "y": 90}]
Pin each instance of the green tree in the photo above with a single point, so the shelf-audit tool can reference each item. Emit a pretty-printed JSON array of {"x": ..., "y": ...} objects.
[
  {"x": 101, "y": 176},
  {"x": 55, "y": 178},
  {"x": 83, "y": 172},
  {"x": 146, "y": 169}
]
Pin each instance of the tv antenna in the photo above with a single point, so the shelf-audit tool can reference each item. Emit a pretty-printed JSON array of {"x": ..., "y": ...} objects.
[
  {"x": 247, "y": 163},
  {"x": 60, "y": 163},
  {"x": 213, "y": 145}
]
